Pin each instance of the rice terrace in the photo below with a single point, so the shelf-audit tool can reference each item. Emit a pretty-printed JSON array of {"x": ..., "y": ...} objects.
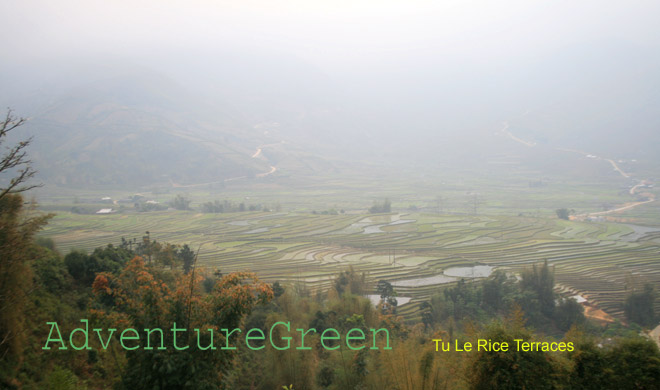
[{"x": 416, "y": 253}]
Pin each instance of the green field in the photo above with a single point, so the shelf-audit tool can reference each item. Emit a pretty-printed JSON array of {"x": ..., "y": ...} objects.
[
  {"x": 601, "y": 261},
  {"x": 319, "y": 225}
]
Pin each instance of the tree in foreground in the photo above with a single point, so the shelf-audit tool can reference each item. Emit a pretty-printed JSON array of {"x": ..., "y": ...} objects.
[
  {"x": 17, "y": 230},
  {"x": 511, "y": 369},
  {"x": 16, "y": 234},
  {"x": 633, "y": 364},
  {"x": 138, "y": 298},
  {"x": 14, "y": 162}
]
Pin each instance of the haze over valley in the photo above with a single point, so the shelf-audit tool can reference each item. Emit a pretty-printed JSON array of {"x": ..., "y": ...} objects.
[{"x": 437, "y": 169}]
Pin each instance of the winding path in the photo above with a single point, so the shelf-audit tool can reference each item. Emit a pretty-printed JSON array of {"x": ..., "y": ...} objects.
[
  {"x": 505, "y": 131},
  {"x": 256, "y": 154},
  {"x": 633, "y": 190}
]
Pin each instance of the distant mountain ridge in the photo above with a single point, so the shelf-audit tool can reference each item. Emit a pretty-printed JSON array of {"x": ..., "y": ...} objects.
[
  {"x": 132, "y": 129},
  {"x": 202, "y": 119}
]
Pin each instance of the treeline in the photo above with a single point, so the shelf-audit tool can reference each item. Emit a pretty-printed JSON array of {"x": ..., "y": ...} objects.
[
  {"x": 181, "y": 202},
  {"x": 227, "y": 206},
  {"x": 595, "y": 362},
  {"x": 381, "y": 207},
  {"x": 502, "y": 293}
]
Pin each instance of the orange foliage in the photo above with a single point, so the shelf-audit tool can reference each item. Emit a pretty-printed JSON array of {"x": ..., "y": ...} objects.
[{"x": 137, "y": 294}]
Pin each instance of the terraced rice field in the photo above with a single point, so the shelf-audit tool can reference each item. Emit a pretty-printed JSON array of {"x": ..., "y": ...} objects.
[{"x": 600, "y": 261}]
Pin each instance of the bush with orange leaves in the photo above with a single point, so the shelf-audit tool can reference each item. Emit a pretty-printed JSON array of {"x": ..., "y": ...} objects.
[{"x": 140, "y": 298}]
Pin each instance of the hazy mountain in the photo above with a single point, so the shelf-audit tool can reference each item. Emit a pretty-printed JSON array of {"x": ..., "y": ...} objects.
[
  {"x": 137, "y": 127},
  {"x": 187, "y": 120},
  {"x": 601, "y": 98}
]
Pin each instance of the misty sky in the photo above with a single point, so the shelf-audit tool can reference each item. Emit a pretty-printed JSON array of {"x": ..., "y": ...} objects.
[
  {"x": 578, "y": 68},
  {"x": 333, "y": 35},
  {"x": 338, "y": 75}
]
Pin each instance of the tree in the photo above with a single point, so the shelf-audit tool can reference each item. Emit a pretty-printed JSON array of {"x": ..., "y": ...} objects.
[
  {"x": 493, "y": 291},
  {"x": 634, "y": 364},
  {"x": 384, "y": 207},
  {"x": 639, "y": 306},
  {"x": 474, "y": 203},
  {"x": 588, "y": 363},
  {"x": 166, "y": 254},
  {"x": 213, "y": 207},
  {"x": 513, "y": 369},
  {"x": 84, "y": 267},
  {"x": 16, "y": 239},
  {"x": 140, "y": 298},
  {"x": 180, "y": 203},
  {"x": 350, "y": 281},
  {"x": 540, "y": 282},
  {"x": 387, "y": 296},
  {"x": 15, "y": 162},
  {"x": 278, "y": 290},
  {"x": 387, "y": 206},
  {"x": 563, "y": 213},
  {"x": 78, "y": 265},
  {"x": 568, "y": 313},
  {"x": 187, "y": 257},
  {"x": 427, "y": 314}
]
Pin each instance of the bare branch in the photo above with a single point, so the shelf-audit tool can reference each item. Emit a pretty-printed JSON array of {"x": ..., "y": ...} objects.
[
  {"x": 15, "y": 158},
  {"x": 10, "y": 123}
]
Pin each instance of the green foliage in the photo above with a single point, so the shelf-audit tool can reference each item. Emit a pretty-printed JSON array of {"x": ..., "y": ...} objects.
[
  {"x": 569, "y": 313},
  {"x": 563, "y": 213},
  {"x": 78, "y": 267},
  {"x": 228, "y": 207},
  {"x": 463, "y": 301},
  {"x": 588, "y": 364},
  {"x": 540, "y": 283},
  {"x": 50, "y": 270},
  {"x": 513, "y": 369},
  {"x": 144, "y": 299},
  {"x": 149, "y": 206},
  {"x": 387, "y": 296},
  {"x": 46, "y": 242},
  {"x": 180, "y": 203},
  {"x": 16, "y": 234},
  {"x": 384, "y": 207},
  {"x": 62, "y": 379},
  {"x": 278, "y": 290},
  {"x": 494, "y": 292},
  {"x": 325, "y": 376},
  {"x": 187, "y": 257},
  {"x": 350, "y": 281},
  {"x": 84, "y": 267},
  {"x": 639, "y": 306},
  {"x": 56, "y": 294},
  {"x": 213, "y": 207},
  {"x": 633, "y": 364},
  {"x": 498, "y": 295}
]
